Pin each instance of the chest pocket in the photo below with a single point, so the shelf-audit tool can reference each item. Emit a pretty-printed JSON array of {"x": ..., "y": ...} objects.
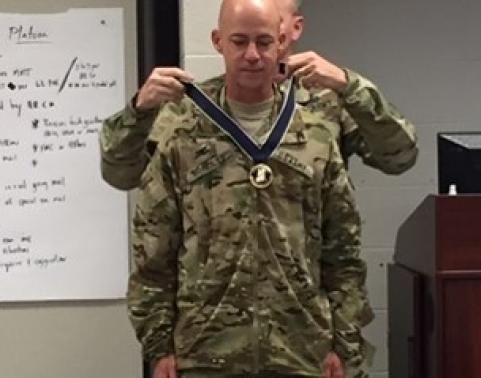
[
  {"x": 215, "y": 184},
  {"x": 207, "y": 163},
  {"x": 302, "y": 167},
  {"x": 307, "y": 159}
]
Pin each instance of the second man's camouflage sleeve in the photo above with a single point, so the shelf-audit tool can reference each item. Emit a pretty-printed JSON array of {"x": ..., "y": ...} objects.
[
  {"x": 123, "y": 147},
  {"x": 156, "y": 237},
  {"x": 374, "y": 129},
  {"x": 343, "y": 271}
]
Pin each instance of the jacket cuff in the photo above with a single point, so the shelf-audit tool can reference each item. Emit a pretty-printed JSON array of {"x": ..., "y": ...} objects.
[
  {"x": 158, "y": 349},
  {"x": 132, "y": 115},
  {"x": 354, "y": 82},
  {"x": 355, "y": 351}
]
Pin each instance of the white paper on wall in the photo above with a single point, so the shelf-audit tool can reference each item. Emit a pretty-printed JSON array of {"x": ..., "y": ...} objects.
[{"x": 63, "y": 231}]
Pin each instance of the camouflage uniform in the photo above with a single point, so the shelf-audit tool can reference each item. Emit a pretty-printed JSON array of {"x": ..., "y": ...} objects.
[
  {"x": 361, "y": 120},
  {"x": 243, "y": 281}
]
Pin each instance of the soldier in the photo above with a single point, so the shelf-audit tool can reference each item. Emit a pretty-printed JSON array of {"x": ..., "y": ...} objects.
[
  {"x": 360, "y": 118},
  {"x": 386, "y": 142},
  {"x": 246, "y": 236}
]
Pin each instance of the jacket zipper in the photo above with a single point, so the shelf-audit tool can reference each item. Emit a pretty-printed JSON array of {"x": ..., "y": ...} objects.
[{"x": 255, "y": 308}]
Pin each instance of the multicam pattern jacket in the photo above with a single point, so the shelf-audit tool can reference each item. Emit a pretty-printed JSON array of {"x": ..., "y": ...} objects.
[
  {"x": 239, "y": 279},
  {"x": 361, "y": 119}
]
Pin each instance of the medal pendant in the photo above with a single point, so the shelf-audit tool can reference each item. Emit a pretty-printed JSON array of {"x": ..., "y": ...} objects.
[{"x": 261, "y": 176}]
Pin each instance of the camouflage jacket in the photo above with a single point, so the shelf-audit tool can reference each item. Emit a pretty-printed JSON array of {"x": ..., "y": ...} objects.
[
  {"x": 361, "y": 120},
  {"x": 240, "y": 279}
]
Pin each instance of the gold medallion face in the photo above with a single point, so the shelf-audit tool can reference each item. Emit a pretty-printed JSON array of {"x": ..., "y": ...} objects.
[{"x": 261, "y": 176}]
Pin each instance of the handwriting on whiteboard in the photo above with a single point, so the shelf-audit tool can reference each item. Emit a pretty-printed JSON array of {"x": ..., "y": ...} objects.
[{"x": 60, "y": 75}]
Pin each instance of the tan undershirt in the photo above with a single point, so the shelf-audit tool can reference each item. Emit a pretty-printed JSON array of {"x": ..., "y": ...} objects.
[{"x": 252, "y": 117}]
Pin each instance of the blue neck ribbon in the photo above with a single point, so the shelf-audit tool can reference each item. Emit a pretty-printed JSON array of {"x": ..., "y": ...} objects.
[{"x": 258, "y": 153}]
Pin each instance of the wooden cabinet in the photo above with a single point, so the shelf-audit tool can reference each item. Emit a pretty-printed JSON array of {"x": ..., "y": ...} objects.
[{"x": 435, "y": 291}]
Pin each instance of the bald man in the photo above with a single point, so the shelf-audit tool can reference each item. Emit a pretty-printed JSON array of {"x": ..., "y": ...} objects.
[
  {"x": 383, "y": 139},
  {"x": 246, "y": 237}
]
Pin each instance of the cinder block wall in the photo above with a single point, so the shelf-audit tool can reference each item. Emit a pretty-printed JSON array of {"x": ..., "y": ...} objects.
[
  {"x": 424, "y": 56},
  {"x": 71, "y": 339}
]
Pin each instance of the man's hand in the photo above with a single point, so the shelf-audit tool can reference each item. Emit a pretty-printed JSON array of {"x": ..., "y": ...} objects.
[
  {"x": 165, "y": 368},
  {"x": 163, "y": 84},
  {"x": 333, "y": 367},
  {"x": 315, "y": 71}
]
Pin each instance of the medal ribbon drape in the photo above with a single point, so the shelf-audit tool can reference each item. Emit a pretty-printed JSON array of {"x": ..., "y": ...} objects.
[{"x": 258, "y": 153}]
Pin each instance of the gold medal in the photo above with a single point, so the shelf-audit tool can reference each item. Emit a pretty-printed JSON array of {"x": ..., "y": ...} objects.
[{"x": 261, "y": 176}]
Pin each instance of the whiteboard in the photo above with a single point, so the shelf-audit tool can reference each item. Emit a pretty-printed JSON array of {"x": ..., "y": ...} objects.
[{"x": 63, "y": 231}]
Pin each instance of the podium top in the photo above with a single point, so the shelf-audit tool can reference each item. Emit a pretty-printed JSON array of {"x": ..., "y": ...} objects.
[{"x": 442, "y": 234}]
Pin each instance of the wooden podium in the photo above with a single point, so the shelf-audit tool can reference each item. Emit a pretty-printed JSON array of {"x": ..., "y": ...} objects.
[{"x": 435, "y": 291}]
